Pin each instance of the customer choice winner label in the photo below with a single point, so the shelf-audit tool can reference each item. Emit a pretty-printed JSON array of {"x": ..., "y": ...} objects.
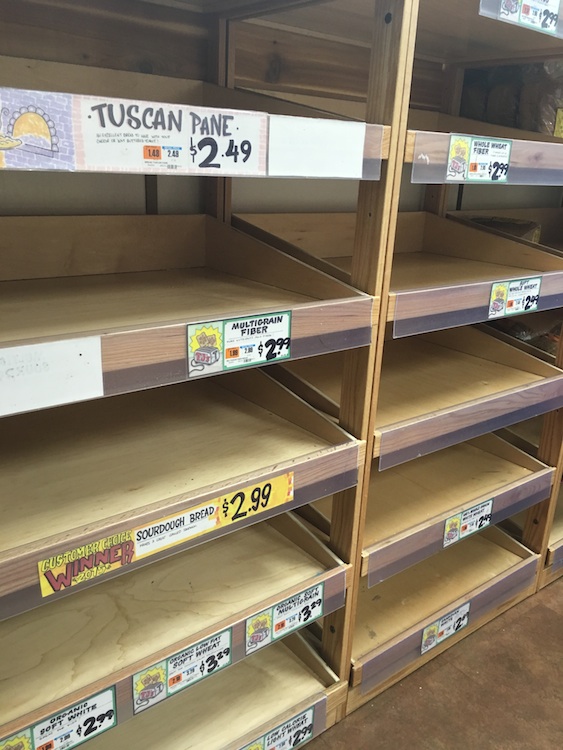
[
  {"x": 222, "y": 345},
  {"x": 68, "y": 728},
  {"x": 90, "y": 561}
]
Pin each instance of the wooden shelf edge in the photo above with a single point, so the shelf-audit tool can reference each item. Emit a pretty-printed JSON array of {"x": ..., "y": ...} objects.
[{"x": 395, "y": 554}]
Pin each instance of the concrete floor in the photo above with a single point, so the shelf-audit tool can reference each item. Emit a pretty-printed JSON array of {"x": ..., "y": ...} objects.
[{"x": 500, "y": 688}]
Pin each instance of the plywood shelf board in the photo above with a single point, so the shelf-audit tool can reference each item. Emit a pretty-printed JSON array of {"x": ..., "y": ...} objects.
[
  {"x": 244, "y": 694},
  {"x": 95, "y": 635},
  {"x": 402, "y": 601},
  {"x": 432, "y": 373},
  {"x": 417, "y": 491},
  {"x": 420, "y": 377},
  {"x": 426, "y": 270},
  {"x": 101, "y": 304},
  {"x": 108, "y": 461},
  {"x": 429, "y": 253}
]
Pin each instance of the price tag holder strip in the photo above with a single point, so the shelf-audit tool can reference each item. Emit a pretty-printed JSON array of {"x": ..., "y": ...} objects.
[{"x": 95, "y": 134}]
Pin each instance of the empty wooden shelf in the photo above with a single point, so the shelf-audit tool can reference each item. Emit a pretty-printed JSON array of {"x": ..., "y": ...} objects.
[
  {"x": 549, "y": 223},
  {"x": 405, "y": 620},
  {"x": 420, "y": 507},
  {"x": 443, "y": 273},
  {"x": 286, "y": 682},
  {"x": 243, "y": 592},
  {"x": 94, "y": 306},
  {"x": 138, "y": 477},
  {"x": 438, "y": 389}
]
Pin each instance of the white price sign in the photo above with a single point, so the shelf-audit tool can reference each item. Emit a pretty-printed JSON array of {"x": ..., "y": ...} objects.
[
  {"x": 514, "y": 297},
  {"x": 468, "y": 522},
  {"x": 37, "y": 376},
  {"x": 77, "y": 724},
  {"x": 444, "y": 628},
  {"x": 293, "y": 733},
  {"x": 285, "y": 617}
]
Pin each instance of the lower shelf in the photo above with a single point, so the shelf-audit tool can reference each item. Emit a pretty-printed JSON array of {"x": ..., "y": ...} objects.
[
  {"x": 285, "y": 692},
  {"x": 437, "y": 389},
  {"x": 238, "y": 593},
  {"x": 420, "y": 507},
  {"x": 146, "y": 475},
  {"x": 406, "y": 619}
]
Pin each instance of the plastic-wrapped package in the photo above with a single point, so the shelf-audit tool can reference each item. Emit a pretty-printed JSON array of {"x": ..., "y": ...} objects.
[
  {"x": 521, "y": 228},
  {"x": 551, "y": 104},
  {"x": 541, "y": 330},
  {"x": 503, "y": 101}
]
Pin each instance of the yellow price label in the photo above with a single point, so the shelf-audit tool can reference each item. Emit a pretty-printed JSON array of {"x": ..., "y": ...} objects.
[
  {"x": 19, "y": 741},
  {"x": 98, "y": 558}
]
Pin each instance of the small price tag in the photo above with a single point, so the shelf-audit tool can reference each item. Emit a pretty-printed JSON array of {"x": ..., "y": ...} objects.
[
  {"x": 182, "y": 670},
  {"x": 540, "y": 15},
  {"x": 438, "y": 631},
  {"x": 478, "y": 159},
  {"x": 222, "y": 345},
  {"x": 514, "y": 297},
  {"x": 77, "y": 724},
  {"x": 285, "y": 617},
  {"x": 468, "y": 522},
  {"x": 293, "y": 733}
]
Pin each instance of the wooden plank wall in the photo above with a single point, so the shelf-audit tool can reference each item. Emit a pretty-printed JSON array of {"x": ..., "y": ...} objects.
[
  {"x": 123, "y": 35},
  {"x": 271, "y": 58}
]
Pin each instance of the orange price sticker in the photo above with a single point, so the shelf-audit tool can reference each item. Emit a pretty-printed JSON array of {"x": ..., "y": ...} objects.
[
  {"x": 175, "y": 679},
  {"x": 232, "y": 353},
  {"x": 279, "y": 626},
  {"x": 152, "y": 153},
  {"x": 47, "y": 746},
  {"x": 473, "y": 167}
]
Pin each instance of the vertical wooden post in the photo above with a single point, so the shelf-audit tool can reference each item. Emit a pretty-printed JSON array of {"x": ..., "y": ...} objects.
[
  {"x": 388, "y": 95},
  {"x": 539, "y": 519},
  {"x": 218, "y": 190},
  {"x": 436, "y": 196}
]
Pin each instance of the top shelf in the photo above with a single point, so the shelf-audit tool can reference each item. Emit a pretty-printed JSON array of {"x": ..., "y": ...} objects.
[
  {"x": 449, "y": 31},
  {"x": 216, "y": 135}
]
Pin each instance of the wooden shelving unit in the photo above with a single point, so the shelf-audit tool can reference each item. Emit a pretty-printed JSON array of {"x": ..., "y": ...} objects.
[
  {"x": 489, "y": 572},
  {"x": 369, "y": 432},
  {"x": 439, "y": 278}
]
